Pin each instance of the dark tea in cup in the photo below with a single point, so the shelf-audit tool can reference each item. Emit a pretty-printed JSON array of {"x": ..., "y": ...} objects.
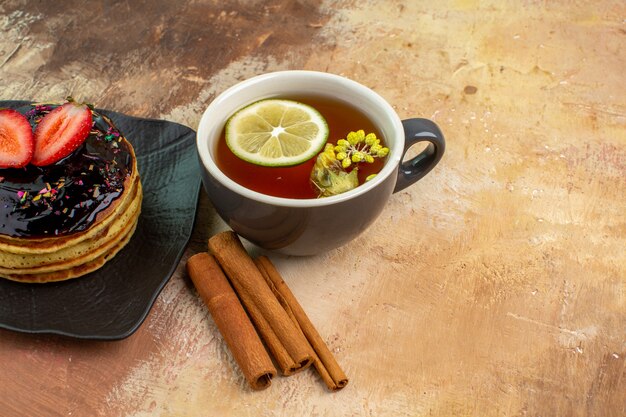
[
  {"x": 302, "y": 224},
  {"x": 295, "y": 181}
]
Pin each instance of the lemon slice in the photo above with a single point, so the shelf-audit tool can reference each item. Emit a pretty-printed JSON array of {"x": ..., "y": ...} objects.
[{"x": 276, "y": 132}]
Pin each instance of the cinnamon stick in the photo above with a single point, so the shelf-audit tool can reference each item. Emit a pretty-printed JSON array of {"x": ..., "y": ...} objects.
[
  {"x": 324, "y": 361},
  {"x": 231, "y": 320},
  {"x": 250, "y": 285},
  {"x": 286, "y": 364}
]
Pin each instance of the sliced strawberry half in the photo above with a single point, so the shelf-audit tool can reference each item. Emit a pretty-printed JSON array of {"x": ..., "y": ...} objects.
[
  {"x": 16, "y": 139},
  {"x": 61, "y": 132}
]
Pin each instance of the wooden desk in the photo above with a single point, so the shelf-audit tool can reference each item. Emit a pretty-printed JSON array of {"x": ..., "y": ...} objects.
[{"x": 496, "y": 286}]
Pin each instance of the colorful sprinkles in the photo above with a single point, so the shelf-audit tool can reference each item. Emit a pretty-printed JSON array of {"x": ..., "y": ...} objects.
[{"x": 45, "y": 196}]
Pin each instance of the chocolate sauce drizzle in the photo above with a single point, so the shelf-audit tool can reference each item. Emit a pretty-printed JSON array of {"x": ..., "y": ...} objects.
[{"x": 65, "y": 197}]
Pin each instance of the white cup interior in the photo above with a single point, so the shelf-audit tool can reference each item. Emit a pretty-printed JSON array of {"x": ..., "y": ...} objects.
[{"x": 298, "y": 83}]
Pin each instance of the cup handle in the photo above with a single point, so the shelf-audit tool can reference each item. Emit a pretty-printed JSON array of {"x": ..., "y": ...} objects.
[{"x": 419, "y": 130}]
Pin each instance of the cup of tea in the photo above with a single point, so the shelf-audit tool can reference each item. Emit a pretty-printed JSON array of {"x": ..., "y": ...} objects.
[{"x": 272, "y": 206}]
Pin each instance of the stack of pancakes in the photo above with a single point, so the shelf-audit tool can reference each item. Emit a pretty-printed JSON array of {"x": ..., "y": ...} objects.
[{"x": 66, "y": 220}]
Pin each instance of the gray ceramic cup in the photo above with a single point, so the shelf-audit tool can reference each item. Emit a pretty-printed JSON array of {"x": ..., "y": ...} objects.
[{"x": 312, "y": 226}]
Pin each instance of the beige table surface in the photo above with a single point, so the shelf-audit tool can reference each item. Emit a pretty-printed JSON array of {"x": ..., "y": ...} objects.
[{"x": 496, "y": 286}]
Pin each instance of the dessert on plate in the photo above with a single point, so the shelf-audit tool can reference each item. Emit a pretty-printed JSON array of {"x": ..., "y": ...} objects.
[{"x": 70, "y": 192}]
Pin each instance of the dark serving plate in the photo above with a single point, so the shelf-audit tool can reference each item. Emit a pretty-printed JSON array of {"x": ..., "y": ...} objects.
[{"x": 112, "y": 302}]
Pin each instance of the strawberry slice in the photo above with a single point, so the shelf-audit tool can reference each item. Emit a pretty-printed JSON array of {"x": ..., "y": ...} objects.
[
  {"x": 61, "y": 132},
  {"x": 16, "y": 139}
]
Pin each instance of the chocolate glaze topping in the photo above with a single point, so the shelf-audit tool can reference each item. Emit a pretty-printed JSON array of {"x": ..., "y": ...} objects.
[{"x": 65, "y": 197}]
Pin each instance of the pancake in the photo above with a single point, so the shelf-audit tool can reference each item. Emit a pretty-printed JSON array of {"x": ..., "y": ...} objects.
[
  {"x": 76, "y": 271},
  {"x": 67, "y": 219},
  {"x": 73, "y": 255}
]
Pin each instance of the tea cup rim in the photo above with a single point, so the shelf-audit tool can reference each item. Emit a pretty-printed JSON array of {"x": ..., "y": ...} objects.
[{"x": 203, "y": 147}]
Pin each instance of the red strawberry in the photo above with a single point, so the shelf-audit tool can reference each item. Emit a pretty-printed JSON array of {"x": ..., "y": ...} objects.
[
  {"x": 16, "y": 139},
  {"x": 61, "y": 132}
]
